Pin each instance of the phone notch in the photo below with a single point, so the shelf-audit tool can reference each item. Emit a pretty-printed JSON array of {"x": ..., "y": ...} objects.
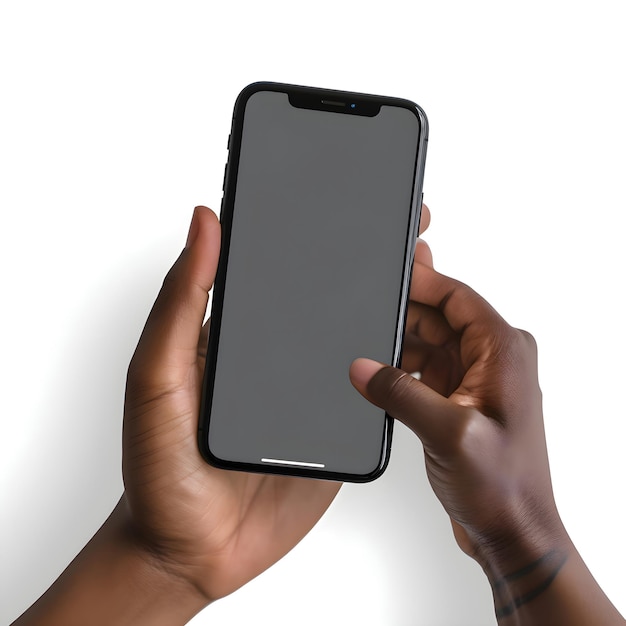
[{"x": 336, "y": 103}]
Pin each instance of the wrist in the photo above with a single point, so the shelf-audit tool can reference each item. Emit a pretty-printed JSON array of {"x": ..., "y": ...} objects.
[
  {"x": 538, "y": 577},
  {"x": 116, "y": 580},
  {"x": 524, "y": 573},
  {"x": 516, "y": 538},
  {"x": 157, "y": 580},
  {"x": 522, "y": 552}
]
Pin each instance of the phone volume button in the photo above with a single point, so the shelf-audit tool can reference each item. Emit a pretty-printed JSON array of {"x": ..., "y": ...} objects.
[
  {"x": 417, "y": 222},
  {"x": 224, "y": 181}
]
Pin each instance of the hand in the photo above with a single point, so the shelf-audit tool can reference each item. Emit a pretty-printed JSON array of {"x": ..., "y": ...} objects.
[
  {"x": 218, "y": 529},
  {"x": 477, "y": 410},
  {"x": 184, "y": 533}
]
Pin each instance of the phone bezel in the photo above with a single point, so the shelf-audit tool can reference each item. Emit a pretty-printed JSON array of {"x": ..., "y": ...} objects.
[{"x": 319, "y": 99}]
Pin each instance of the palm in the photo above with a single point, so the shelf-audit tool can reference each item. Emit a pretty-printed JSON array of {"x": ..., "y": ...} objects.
[{"x": 226, "y": 527}]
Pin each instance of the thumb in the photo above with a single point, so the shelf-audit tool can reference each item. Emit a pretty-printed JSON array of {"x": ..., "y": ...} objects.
[
  {"x": 169, "y": 342},
  {"x": 428, "y": 414}
]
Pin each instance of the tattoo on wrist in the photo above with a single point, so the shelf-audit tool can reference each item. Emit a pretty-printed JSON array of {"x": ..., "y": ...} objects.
[{"x": 527, "y": 583}]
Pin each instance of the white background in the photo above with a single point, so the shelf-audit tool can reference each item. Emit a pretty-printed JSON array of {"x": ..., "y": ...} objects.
[{"x": 113, "y": 125}]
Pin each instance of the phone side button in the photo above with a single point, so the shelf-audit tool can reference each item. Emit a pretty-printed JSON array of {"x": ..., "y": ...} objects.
[
  {"x": 224, "y": 181},
  {"x": 417, "y": 222}
]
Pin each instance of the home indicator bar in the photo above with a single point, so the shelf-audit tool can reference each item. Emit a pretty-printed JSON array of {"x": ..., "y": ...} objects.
[{"x": 297, "y": 463}]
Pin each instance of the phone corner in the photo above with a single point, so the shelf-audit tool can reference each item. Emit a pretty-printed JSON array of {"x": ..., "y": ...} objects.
[
  {"x": 383, "y": 461},
  {"x": 259, "y": 85},
  {"x": 203, "y": 448}
]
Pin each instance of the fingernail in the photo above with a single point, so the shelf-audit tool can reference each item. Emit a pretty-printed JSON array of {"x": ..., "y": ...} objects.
[
  {"x": 362, "y": 370},
  {"x": 194, "y": 229}
]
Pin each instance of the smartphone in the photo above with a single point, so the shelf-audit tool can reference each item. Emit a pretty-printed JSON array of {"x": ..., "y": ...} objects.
[{"x": 320, "y": 214}]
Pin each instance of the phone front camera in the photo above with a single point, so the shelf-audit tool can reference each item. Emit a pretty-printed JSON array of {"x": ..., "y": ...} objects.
[{"x": 353, "y": 106}]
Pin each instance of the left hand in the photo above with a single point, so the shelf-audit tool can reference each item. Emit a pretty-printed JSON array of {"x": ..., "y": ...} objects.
[{"x": 215, "y": 529}]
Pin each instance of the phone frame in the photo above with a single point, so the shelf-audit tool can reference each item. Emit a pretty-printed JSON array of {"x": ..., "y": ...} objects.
[{"x": 325, "y": 100}]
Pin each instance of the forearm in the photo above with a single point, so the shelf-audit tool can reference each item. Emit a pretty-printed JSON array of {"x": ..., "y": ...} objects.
[
  {"x": 546, "y": 582},
  {"x": 114, "y": 581}
]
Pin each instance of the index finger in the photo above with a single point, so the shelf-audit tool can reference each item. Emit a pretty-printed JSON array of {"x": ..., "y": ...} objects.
[{"x": 460, "y": 305}]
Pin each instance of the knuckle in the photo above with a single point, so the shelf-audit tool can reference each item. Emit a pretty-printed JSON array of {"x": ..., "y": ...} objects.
[
  {"x": 400, "y": 390},
  {"x": 512, "y": 345},
  {"x": 524, "y": 347},
  {"x": 390, "y": 388},
  {"x": 529, "y": 340},
  {"x": 465, "y": 432}
]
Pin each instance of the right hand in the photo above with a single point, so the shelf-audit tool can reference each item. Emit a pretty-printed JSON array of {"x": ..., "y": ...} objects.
[{"x": 477, "y": 410}]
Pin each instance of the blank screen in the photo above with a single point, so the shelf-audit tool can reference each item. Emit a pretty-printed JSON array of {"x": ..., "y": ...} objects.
[{"x": 313, "y": 280}]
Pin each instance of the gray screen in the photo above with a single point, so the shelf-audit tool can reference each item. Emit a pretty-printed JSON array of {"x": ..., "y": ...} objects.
[{"x": 314, "y": 277}]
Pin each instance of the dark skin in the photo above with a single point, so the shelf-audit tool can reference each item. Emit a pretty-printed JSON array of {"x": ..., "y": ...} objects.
[
  {"x": 477, "y": 410},
  {"x": 185, "y": 534}
]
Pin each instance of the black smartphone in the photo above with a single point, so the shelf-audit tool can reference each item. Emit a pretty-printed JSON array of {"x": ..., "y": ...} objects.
[{"x": 320, "y": 214}]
